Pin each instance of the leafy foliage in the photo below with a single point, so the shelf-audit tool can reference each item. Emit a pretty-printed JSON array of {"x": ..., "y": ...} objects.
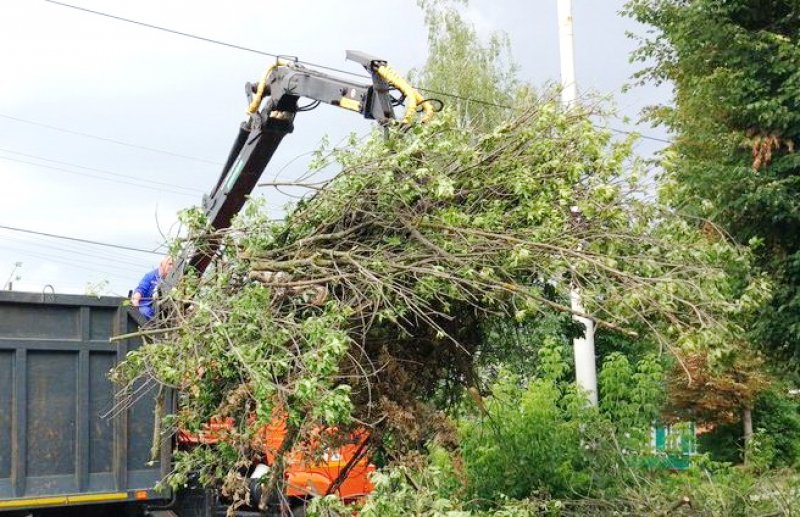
[
  {"x": 734, "y": 66},
  {"x": 632, "y": 396},
  {"x": 538, "y": 451},
  {"x": 777, "y": 417},
  {"x": 461, "y": 65},
  {"x": 706, "y": 489},
  {"x": 369, "y": 297},
  {"x": 714, "y": 395},
  {"x": 530, "y": 445},
  {"x": 540, "y": 440}
]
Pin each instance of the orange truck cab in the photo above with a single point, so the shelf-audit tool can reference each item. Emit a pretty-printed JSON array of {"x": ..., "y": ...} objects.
[{"x": 343, "y": 471}]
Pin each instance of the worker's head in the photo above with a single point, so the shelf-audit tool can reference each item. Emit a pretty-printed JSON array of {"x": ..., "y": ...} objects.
[{"x": 165, "y": 266}]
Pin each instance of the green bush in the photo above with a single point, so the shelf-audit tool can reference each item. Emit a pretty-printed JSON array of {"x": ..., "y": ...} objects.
[
  {"x": 532, "y": 443},
  {"x": 776, "y": 416},
  {"x": 723, "y": 443},
  {"x": 541, "y": 439},
  {"x": 717, "y": 489},
  {"x": 539, "y": 450}
]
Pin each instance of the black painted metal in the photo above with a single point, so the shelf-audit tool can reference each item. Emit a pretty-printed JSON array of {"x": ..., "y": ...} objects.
[{"x": 55, "y": 436}]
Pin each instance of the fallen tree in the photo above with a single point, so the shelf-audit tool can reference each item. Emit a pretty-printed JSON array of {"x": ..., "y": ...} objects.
[{"x": 365, "y": 307}]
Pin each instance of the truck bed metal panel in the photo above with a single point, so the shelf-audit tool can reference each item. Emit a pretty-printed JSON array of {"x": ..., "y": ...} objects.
[{"x": 62, "y": 429}]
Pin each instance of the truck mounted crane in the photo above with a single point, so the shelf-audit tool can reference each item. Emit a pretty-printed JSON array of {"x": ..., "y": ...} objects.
[
  {"x": 272, "y": 107},
  {"x": 63, "y": 452}
]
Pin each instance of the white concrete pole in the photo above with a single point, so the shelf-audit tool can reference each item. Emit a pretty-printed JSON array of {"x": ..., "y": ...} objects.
[
  {"x": 566, "y": 46},
  {"x": 585, "y": 367}
]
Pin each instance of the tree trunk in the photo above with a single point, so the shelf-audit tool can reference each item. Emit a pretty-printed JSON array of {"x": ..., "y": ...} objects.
[{"x": 747, "y": 421}]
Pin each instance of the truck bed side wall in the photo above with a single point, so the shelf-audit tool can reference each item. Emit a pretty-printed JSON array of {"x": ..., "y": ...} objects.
[{"x": 63, "y": 428}]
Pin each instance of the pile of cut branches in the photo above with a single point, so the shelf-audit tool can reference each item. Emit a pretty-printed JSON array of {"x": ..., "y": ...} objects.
[{"x": 367, "y": 302}]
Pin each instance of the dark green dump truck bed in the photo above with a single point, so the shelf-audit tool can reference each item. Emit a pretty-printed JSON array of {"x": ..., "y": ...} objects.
[{"x": 61, "y": 442}]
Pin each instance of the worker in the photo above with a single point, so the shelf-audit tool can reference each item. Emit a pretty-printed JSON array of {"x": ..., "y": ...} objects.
[{"x": 143, "y": 294}]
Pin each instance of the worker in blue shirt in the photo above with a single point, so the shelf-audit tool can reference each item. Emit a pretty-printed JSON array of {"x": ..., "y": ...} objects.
[{"x": 143, "y": 294}]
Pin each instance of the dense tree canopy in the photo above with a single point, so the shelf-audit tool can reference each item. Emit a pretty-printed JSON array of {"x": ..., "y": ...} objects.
[{"x": 735, "y": 67}]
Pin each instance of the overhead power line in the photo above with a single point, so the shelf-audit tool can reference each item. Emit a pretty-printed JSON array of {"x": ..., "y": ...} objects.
[
  {"x": 199, "y": 38},
  {"x": 316, "y": 65},
  {"x": 164, "y": 29},
  {"x": 106, "y": 139},
  {"x": 103, "y": 178},
  {"x": 77, "y": 239},
  {"x": 119, "y": 258},
  {"x": 645, "y": 137},
  {"x": 117, "y": 273},
  {"x": 48, "y": 254},
  {"x": 103, "y": 171}
]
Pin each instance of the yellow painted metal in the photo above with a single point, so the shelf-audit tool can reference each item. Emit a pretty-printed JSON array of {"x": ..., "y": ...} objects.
[
  {"x": 350, "y": 104},
  {"x": 93, "y": 498},
  {"x": 39, "y": 501},
  {"x": 254, "y": 105},
  {"x": 64, "y": 499}
]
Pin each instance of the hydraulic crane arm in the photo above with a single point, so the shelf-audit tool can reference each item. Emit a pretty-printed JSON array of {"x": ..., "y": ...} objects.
[{"x": 283, "y": 84}]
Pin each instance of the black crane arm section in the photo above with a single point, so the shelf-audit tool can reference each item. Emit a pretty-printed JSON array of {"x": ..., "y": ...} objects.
[{"x": 273, "y": 104}]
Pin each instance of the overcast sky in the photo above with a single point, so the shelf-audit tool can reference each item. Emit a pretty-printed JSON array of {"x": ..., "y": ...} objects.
[{"x": 91, "y": 75}]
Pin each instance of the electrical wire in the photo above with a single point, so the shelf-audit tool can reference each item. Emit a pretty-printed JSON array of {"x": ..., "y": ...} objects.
[
  {"x": 66, "y": 262},
  {"x": 131, "y": 269},
  {"x": 103, "y": 178},
  {"x": 103, "y": 253},
  {"x": 103, "y": 171},
  {"x": 201, "y": 38},
  {"x": 77, "y": 239},
  {"x": 317, "y": 65},
  {"x": 644, "y": 137},
  {"x": 465, "y": 99},
  {"x": 105, "y": 139},
  {"x": 134, "y": 258},
  {"x": 115, "y": 260},
  {"x": 164, "y": 29}
]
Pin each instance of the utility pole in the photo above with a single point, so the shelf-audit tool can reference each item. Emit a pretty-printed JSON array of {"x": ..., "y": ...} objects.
[
  {"x": 566, "y": 46},
  {"x": 9, "y": 283},
  {"x": 585, "y": 367}
]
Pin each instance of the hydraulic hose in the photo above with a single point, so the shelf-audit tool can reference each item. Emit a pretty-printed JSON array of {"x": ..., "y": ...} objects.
[
  {"x": 413, "y": 97},
  {"x": 262, "y": 85}
]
